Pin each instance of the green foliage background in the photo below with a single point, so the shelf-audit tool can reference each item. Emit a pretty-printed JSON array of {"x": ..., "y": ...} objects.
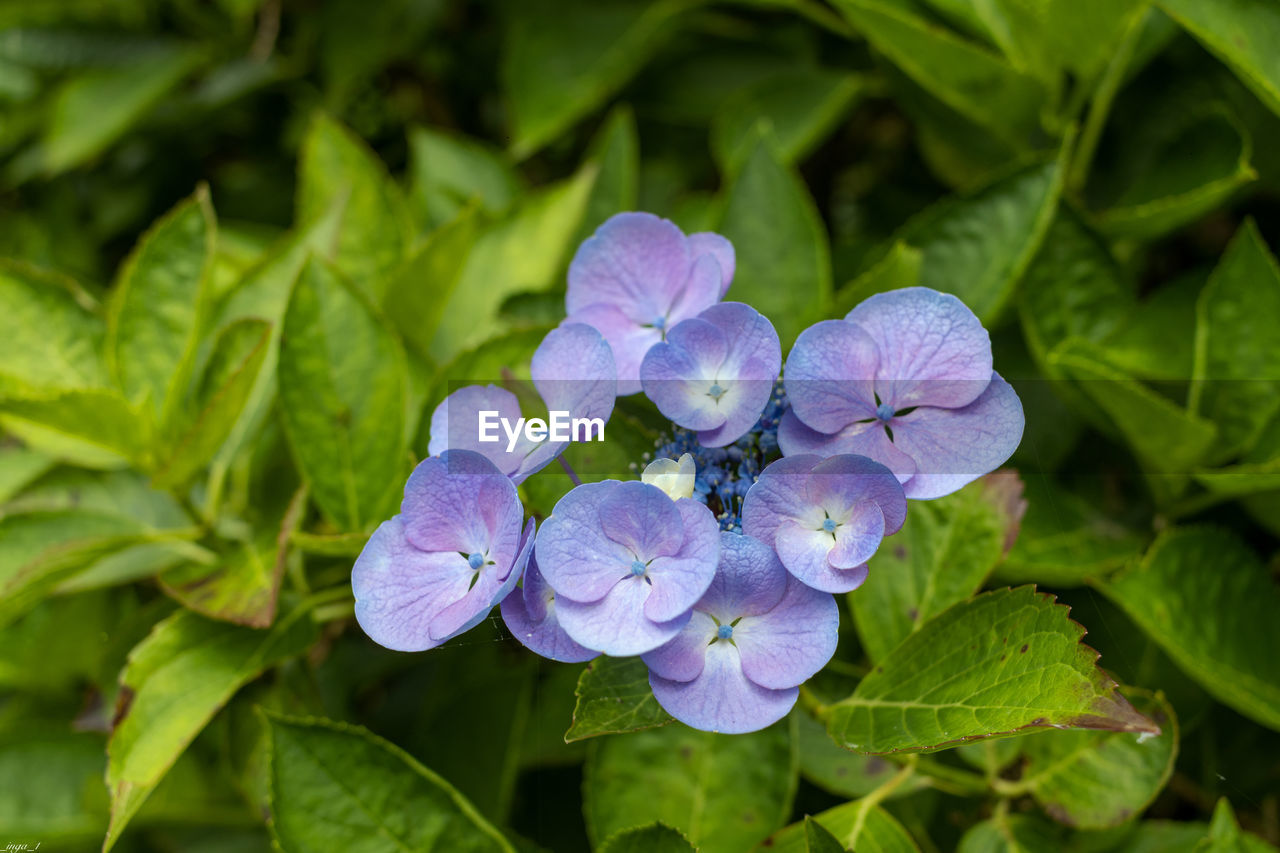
[{"x": 250, "y": 242}]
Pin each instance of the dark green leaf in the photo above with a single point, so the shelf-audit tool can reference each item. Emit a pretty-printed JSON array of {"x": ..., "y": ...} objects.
[
  {"x": 447, "y": 173},
  {"x": 51, "y": 787},
  {"x": 1007, "y": 833},
  {"x": 1242, "y": 33},
  {"x": 838, "y": 770},
  {"x": 900, "y": 267},
  {"x": 614, "y": 696},
  {"x": 861, "y": 825},
  {"x": 654, "y": 838},
  {"x": 818, "y": 839}
]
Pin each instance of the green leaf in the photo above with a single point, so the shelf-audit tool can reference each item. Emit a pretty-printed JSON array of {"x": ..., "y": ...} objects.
[
  {"x": 783, "y": 257},
  {"x": 158, "y": 305},
  {"x": 613, "y": 695},
  {"x": 838, "y": 770},
  {"x": 979, "y": 246},
  {"x": 226, "y": 387},
  {"x": 654, "y": 838},
  {"x": 93, "y": 428},
  {"x": 343, "y": 380},
  {"x": 615, "y": 151},
  {"x": 176, "y": 679},
  {"x": 1209, "y": 602},
  {"x": 337, "y": 168},
  {"x": 1005, "y": 662},
  {"x": 19, "y": 467},
  {"x": 51, "y": 787},
  {"x": 1242, "y": 33},
  {"x": 1007, "y": 833},
  {"x": 818, "y": 839},
  {"x": 50, "y": 334},
  {"x": 941, "y": 557},
  {"x": 1189, "y": 171},
  {"x": 1225, "y": 835},
  {"x": 448, "y": 173},
  {"x": 563, "y": 60},
  {"x": 724, "y": 792},
  {"x": 1156, "y": 341},
  {"x": 1095, "y": 780},
  {"x": 861, "y": 825},
  {"x": 335, "y": 785},
  {"x": 95, "y": 109},
  {"x": 1237, "y": 355},
  {"x": 900, "y": 267},
  {"x": 967, "y": 77},
  {"x": 799, "y": 106}
]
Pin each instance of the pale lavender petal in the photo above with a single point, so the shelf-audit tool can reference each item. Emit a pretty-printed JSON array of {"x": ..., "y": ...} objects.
[
  {"x": 493, "y": 584},
  {"x": 616, "y": 624},
  {"x": 722, "y": 699},
  {"x": 788, "y": 645},
  {"x": 701, "y": 290},
  {"x": 858, "y": 537},
  {"x": 627, "y": 339},
  {"x": 636, "y": 261},
  {"x": 530, "y": 616},
  {"x": 933, "y": 350},
  {"x": 830, "y": 375},
  {"x": 804, "y": 551},
  {"x": 841, "y": 482},
  {"x": 781, "y": 493},
  {"x": 681, "y": 578},
  {"x": 748, "y": 372},
  {"x": 455, "y": 425},
  {"x": 866, "y": 439},
  {"x": 709, "y": 243},
  {"x": 459, "y": 501},
  {"x": 574, "y": 555},
  {"x": 678, "y": 374},
  {"x": 953, "y": 447},
  {"x": 574, "y": 371},
  {"x": 749, "y": 581},
  {"x": 682, "y": 658},
  {"x": 643, "y": 519},
  {"x": 399, "y": 589}
]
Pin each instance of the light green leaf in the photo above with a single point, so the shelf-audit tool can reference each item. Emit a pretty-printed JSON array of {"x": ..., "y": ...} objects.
[
  {"x": 970, "y": 79},
  {"x": 799, "y": 106},
  {"x": 1242, "y": 33},
  {"x": 19, "y": 467},
  {"x": 51, "y": 787},
  {"x": 1237, "y": 353},
  {"x": 613, "y": 695},
  {"x": 900, "y": 267},
  {"x": 93, "y": 428},
  {"x": 50, "y": 334},
  {"x": 343, "y": 380},
  {"x": 979, "y": 246},
  {"x": 1095, "y": 780},
  {"x": 158, "y": 305},
  {"x": 448, "y": 173},
  {"x": 838, "y": 770},
  {"x": 941, "y": 557},
  {"x": 1003, "y": 663},
  {"x": 176, "y": 679},
  {"x": 860, "y": 825},
  {"x": 654, "y": 838},
  {"x": 724, "y": 792},
  {"x": 1007, "y": 833},
  {"x": 1210, "y": 603},
  {"x": 818, "y": 839},
  {"x": 95, "y": 109},
  {"x": 783, "y": 256},
  {"x": 337, "y": 168},
  {"x": 335, "y": 785},
  {"x": 615, "y": 151},
  {"x": 563, "y": 60}
]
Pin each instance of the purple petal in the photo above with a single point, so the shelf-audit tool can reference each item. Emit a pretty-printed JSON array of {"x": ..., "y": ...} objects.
[
  {"x": 682, "y": 658},
  {"x": 701, "y": 290},
  {"x": 839, "y": 483},
  {"x": 933, "y": 350},
  {"x": 574, "y": 555},
  {"x": 748, "y": 582},
  {"x": 530, "y": 616},
  {"x": 722, "y": 699},
  {"x": 953, "y": 447},
  {"x": 635, "y": 261},
  {"x": 455, "y": 425},
  {"x": 709, "y": 243},
  {"x": 788, "y": 645},
  {"x": 867, "y": 439},
  {"x": 780, "y": 493},
  {"x": 460, "y": 502},
  {"x": 680, "y": 579},
  {"x": 677, "y": 374},
  {"x": 616, "y": 624},
  {"x": 643, "y": 519},
  {"x": 627, "y": 339},
  {"x": 806, "y": 552},
  {"x": 493, "y": 585},
  {"x": 830, "y": 375}
]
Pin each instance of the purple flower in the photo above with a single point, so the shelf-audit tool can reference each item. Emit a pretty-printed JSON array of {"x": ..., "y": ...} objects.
[
  {"x": 714, "y": 373},
  {"x": 825, "y": 517},
  {"x": 754, "y": 637},
  {"x": 573, "y": 371},
  {"x": 530, "y": 615},
  {"x": 906, "y": 379},
  {"x": 455, "y": 550},
  {"x": 627, "y": 563},
  {"x": 638, "y": 276}
]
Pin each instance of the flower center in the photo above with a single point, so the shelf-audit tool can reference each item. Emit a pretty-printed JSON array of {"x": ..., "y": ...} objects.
[
  {"x": 829, "y": 525},
  {"x": 660, "y": 323},
  {"x": 476, "y": 560},
  {"x": 725, "y": 632},
  {"x": 637, "y": 568},
  {"x": 884, "y": 411},
  {"x": 715, "y": 391}
]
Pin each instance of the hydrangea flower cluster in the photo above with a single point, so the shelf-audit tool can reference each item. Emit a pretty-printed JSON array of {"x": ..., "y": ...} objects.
[{"x": 772, "y": 491}]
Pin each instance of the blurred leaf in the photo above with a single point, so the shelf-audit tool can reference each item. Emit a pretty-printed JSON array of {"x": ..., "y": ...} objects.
[
  {"x": 1002, "y": 663},
  {"x": 860, "y": 825},
  {"x": 92, "y": 428},
  {"x": 158, "y": 305},
  {"x": 358, "y": 39},
  {"x": 50, "y": 335},
  {"x": 1237, "y": 354},
  {"x": 447, "y": 173},
  {"x": 1209, "y": 602},
  {"x": 783, "y": 255},
  {"x": 343, "y": 381},
  {"x": 1242, "y": 33},
  {"x": 1194, "y": 168},
  {"x": 1225, "y": 835},
  {"x": 614, "y": 696},
  {"x": 820, "y": 840},
  {"x": 337, "y": 168},
  {"x": 941, "y": 557},
  {"x": 95, "y": 109},
  {"x": 979, "y": 246},
  {"x": 1156, "y": 340},
  {"x": 616, "y": 152},
  {"x": 1006, "y": 833},
  {"x": 337, "y": 785},
  {"x": 724, "y": 792},
  {"x": 562, "y": 60},
  {"x": 800, "y": 107},
  {"x": 1094, "y": 780},
  {"x": 654, "y": 838},
  {"x": 176, "y": 679},
  {"x": 900, "y": 267},
  {"x": 840, "y": 771},
  {"x": 51, "y": 787},
  {"x": 967, "y": 77},
  {"x": 417, "y": 294},
  {"x": 1074, "y": 36},
  {"x": 19, "y": 466}
]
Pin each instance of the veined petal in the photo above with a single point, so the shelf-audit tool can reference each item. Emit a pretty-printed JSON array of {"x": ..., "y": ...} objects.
[
  {"x": 830, "y": 375},
  {"x": 680, "y": 579},
  {"x": 722, "y": 698},
  {"x": 709, "y": 243},
  {"x": 459, "y": 501},
  {"x": 681, "y": 659},
  {"x": 788, "y": 645},
  {"x": 616, "y": 624},
  {"x": 636, "y": 261}
]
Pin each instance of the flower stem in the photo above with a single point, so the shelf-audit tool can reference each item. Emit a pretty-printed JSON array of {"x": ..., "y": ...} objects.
[{"x": 568, "y": 469}]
